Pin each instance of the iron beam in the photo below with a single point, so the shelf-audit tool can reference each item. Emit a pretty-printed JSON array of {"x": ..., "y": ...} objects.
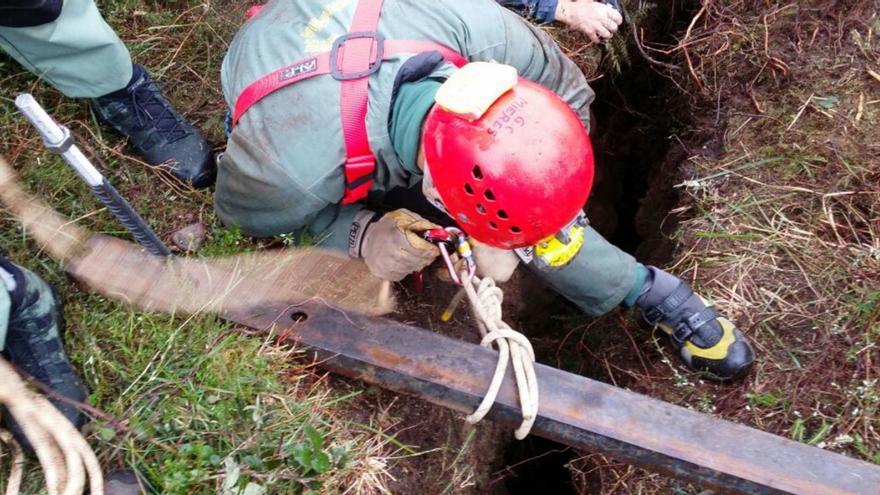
[{"x": 574, "y": 410}]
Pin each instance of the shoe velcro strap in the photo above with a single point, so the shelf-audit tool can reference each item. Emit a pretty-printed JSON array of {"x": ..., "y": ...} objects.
[
  {"x": 667, "y": 308},
  {"x": 691, "y": 324}
]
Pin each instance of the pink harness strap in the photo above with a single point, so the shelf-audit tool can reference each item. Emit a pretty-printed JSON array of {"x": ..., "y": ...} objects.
[{"x": 354, "y": 57}]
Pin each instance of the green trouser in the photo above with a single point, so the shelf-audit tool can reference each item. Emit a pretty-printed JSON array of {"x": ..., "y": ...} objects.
[
  {"x": 599, "y": 278},
  {"x": 78, "y": 53}
]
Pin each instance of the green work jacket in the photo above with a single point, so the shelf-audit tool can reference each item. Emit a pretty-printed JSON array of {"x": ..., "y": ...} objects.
[{"x": 282, "y": 171}]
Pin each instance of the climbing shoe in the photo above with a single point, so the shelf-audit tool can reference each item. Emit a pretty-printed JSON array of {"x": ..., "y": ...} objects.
[
  {"x": 708, "y": 342},
  {"x": 33, "y": 344},
  {"x": 163, "y": 137}
]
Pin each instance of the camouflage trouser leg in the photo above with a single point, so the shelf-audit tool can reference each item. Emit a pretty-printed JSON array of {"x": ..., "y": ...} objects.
[
  {"x": 34, "y": 314},
  {"x": 33, "y": 339}
]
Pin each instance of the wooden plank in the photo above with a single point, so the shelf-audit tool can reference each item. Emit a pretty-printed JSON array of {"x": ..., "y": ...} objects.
[
  {"x": 574, "y": 410},
  {"x": 123, "y": 271}
]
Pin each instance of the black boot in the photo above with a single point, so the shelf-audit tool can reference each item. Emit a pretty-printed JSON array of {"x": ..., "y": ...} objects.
[
  {"x": 33, "y": 344},
  {"x": 163, "y": 137},
  {"x": 708, "y": 341}
]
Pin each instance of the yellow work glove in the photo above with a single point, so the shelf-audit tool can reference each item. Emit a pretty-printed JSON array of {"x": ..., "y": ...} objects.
[{"x": 391, "y": 244}]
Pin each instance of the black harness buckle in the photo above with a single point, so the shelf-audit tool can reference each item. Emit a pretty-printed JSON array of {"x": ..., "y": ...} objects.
[{"x": 372, "y": 66}]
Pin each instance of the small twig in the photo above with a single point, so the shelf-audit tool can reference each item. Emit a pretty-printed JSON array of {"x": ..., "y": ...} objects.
[
  {"x": 687, "y": 55},
  {"x": 800, "y": 112},
  {"x": 645, "y": 55}
]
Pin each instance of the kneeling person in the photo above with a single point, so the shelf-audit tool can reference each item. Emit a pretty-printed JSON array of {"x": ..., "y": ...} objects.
[{"x": 503, "y": 149}]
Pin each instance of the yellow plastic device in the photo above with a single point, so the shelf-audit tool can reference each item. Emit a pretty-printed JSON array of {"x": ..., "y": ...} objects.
[{"x": 558, "y": 250}]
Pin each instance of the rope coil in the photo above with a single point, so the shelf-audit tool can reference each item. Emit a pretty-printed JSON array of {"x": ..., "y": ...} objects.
[
  {"x": 65, "y": 456},
  {"x": 485, "y": 299}
]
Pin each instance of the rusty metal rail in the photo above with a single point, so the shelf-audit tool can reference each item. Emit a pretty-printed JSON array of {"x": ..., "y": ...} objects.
[{"x": 574, "y": 410}]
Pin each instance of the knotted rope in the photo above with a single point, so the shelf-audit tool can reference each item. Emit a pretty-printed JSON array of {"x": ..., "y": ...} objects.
[
  {"x": 64, "y": 455},
  {"x": 485, "y": 299}
]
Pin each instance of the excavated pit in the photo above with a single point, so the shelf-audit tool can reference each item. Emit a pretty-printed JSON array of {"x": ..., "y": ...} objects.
[{"x": 640, "y": 136}]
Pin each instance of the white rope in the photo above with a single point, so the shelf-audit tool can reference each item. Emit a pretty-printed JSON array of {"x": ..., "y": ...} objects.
[
  {"x": 485, "y": 299},
  {"x": 65, "y": 456},
  {"x": 16, "y": 470}
]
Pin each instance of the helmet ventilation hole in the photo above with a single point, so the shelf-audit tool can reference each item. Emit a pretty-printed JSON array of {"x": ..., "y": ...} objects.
[
  {"x": 515, "y": 230},
  {"x": 468, "y": 189},
  {"x": 502, "y": 215},
  {"x": 493, "y": 226},
  {"x": 481, "y": 209},
  {"x": 490, "y": 196},
  {"x": 478, "y": 174}
]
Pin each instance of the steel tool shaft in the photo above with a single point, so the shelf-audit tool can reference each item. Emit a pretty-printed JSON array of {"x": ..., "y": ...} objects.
[{"x": 57, "y": 139}]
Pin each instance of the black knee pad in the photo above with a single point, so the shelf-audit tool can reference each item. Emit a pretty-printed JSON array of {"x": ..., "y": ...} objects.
[{"x": 29, "y": 13}]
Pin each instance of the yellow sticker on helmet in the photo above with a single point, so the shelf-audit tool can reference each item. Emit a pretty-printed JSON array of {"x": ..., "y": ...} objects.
[{"x": 472, "y": 89}]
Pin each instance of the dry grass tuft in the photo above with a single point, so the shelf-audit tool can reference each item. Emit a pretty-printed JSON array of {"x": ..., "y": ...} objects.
[{"x": 786, "y": 221}]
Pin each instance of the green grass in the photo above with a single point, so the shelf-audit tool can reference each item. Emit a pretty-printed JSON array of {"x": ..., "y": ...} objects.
[
  {"x": 196, "y": 396},
  {"x": 193, "y": 403}
]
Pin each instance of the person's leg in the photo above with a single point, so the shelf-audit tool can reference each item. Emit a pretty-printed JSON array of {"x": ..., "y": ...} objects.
[
  {"x": 76, "y": 51},
  {"x": 602, "y": 277},
  {"x": 73, "y": 49},
  {"x": 599, "y": 277},
  {"x": 33, "y": 340}
]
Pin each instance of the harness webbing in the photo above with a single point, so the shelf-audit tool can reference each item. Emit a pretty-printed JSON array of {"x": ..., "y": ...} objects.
[{"x": 354, "y": 57}]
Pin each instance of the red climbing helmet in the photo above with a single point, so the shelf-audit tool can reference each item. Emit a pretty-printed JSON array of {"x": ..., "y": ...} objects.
[{"x": 511, "y": 161}]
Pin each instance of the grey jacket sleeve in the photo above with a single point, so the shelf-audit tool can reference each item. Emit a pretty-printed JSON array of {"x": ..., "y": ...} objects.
[
  {"x": 538, "y": 58},
  {"x": 264, "y": 199},
  {"x": 330, "y": 226}
]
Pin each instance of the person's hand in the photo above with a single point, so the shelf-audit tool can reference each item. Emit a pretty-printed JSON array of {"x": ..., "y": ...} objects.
[
  {"x": 599, "y": 21},
  {"x": 392, "y": 246}
]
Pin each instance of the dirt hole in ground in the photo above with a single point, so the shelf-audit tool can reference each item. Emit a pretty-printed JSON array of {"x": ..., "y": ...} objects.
[{"x": 638, "y": 136}]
